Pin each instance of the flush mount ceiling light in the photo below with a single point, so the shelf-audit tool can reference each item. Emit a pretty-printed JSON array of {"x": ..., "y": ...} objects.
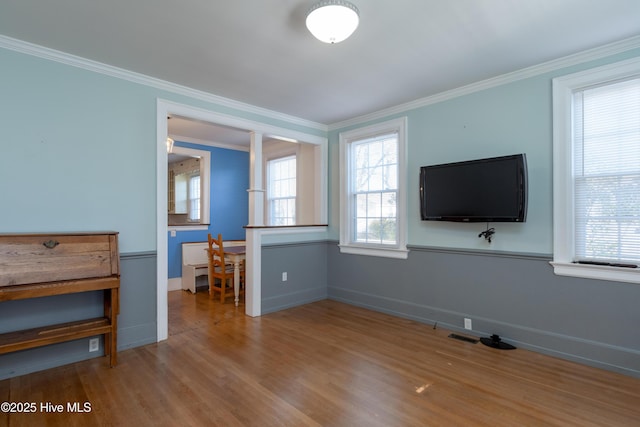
[
  {"x": 332, "y": 21},
  {"x": 284, "y": 138}
]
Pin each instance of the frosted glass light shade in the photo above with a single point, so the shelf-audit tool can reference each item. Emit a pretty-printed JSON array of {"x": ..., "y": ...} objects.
[{"x": 332, "y": 21}]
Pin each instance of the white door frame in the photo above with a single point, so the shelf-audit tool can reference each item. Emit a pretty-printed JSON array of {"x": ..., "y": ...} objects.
[{"x": 166, "y": 108}]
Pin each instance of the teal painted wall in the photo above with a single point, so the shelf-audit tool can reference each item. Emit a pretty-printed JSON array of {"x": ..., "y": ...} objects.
[
  {"x": 79, "y": 149},
  {"x": 78, "y": 152},
  {"x": 507, "y": 287},
  {"x": 511, "y": 118}
]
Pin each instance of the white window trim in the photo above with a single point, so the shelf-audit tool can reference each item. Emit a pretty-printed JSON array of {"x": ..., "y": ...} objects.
[
  {"x": 346, "y": 245},
  {"x": 563, "y": 208}
]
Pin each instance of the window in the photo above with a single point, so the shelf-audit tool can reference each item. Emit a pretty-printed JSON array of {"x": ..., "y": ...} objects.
[
  {"x": 375, "y": 189},
  {"x": 373, "y": 176},
  {"x": 194, "y": 198},
  {"x": 281, "y": 193},
  {"x": 597, "y": 173}
]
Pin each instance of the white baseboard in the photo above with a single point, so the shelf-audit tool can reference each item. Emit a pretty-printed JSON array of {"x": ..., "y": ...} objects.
[{"x": 174, "y": 284}]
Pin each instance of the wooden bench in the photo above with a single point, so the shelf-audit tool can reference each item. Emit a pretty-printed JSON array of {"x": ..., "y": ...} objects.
[{"x": 195, "y": 262}]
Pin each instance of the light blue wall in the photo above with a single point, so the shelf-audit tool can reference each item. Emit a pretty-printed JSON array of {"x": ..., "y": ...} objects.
[
  {"x": 229, "y": 202},
  {"x": 508, "y": 286},
  {"x": 79, "y": 149},
  {"x": 78, "y": 153},
  {"x": 510, "y": 118}
]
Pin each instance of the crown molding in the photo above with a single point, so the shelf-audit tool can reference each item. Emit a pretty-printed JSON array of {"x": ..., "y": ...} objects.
[
  {"x": 97, "y": 67},
  {"x": 546, "y": 67},
  {"x": 108, "y": 70}
]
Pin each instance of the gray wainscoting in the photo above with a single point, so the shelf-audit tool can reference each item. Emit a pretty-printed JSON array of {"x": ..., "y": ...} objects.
[
  {"x": 136, "y": 322},
  {"x": 514, "y": 295},
  {"x": 306, "y": 267}
]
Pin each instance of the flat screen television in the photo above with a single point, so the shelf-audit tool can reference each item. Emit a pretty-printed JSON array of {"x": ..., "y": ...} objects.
[{"x": 483, "y": 190}]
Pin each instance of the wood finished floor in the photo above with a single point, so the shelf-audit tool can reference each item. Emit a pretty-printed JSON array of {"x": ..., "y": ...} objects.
[{"x": 321, "y": 364}]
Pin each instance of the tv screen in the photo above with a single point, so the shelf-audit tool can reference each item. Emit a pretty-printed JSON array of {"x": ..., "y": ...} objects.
[{"x": 483, "y": 190}]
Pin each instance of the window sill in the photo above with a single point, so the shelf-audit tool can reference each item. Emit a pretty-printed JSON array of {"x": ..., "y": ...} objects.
[
  {"x": 286, "y": 226},
  {"x": 188, "y": 227},
  {"x": 288, "y": 229},
  {"x": 600, "y": 272},
  {"x": 397, "y": 253}
]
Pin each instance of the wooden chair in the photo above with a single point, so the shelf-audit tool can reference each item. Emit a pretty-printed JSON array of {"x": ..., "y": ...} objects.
[{"x": 221, "y": 273}]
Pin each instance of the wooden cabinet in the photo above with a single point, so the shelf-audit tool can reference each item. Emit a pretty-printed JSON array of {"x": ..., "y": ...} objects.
[{"x": 39, "y": 265}]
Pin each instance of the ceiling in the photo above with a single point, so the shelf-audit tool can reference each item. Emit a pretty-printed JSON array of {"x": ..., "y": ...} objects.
[
  {"x": 185, "y": 129},
  {"x": 259, "y": 51}
]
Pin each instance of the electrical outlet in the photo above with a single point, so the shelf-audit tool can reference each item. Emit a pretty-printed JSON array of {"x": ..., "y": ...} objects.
[
  {"x": 284, "y": 276},
  {"x": 94, "y": 344},
  {"x": 467, "y": 323}
]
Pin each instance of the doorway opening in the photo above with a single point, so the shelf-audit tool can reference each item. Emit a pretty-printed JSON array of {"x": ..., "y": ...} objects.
[{"x": 256, "y": 131}]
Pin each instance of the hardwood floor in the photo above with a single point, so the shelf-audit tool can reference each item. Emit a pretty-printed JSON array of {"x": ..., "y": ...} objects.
[{"x": 321, "y": 364}]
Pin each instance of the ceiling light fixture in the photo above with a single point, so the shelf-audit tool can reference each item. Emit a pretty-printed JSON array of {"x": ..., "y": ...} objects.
[
  {"x": 332, "y": 21},
  {"x": 170, "y": 145}
]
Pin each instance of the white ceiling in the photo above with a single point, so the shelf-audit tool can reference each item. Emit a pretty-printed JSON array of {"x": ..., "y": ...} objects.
[
  {"x": 189, "y": 130},
  {"x": 260, "y": 53}
]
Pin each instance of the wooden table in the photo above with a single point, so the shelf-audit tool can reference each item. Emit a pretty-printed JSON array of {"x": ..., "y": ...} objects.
[{"x": 236, "y": 254}]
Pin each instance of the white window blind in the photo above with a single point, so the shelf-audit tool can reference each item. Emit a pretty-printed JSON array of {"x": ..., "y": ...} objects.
[{"x": 606, "y": 155}]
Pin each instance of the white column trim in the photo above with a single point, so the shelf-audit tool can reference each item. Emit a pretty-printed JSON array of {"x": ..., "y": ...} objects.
[
  {"x": 162, "y": 241},
  {"x": 253, "y": 291},
  {"x": 256, "y": 186}
]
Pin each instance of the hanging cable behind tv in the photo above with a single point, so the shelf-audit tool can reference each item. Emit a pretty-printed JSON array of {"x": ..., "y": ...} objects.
[{"x": 488, "y": 233}]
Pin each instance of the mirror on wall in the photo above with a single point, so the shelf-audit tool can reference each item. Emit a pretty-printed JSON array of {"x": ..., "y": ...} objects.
[{"x": 187, "y": 186}]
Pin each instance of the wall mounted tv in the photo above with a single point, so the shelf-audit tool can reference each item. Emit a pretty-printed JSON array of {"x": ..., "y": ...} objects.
[{"x": 483, "y": 190}]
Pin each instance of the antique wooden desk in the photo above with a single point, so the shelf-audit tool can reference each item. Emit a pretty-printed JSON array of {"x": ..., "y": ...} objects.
[{"x": 39, "y": 265}]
